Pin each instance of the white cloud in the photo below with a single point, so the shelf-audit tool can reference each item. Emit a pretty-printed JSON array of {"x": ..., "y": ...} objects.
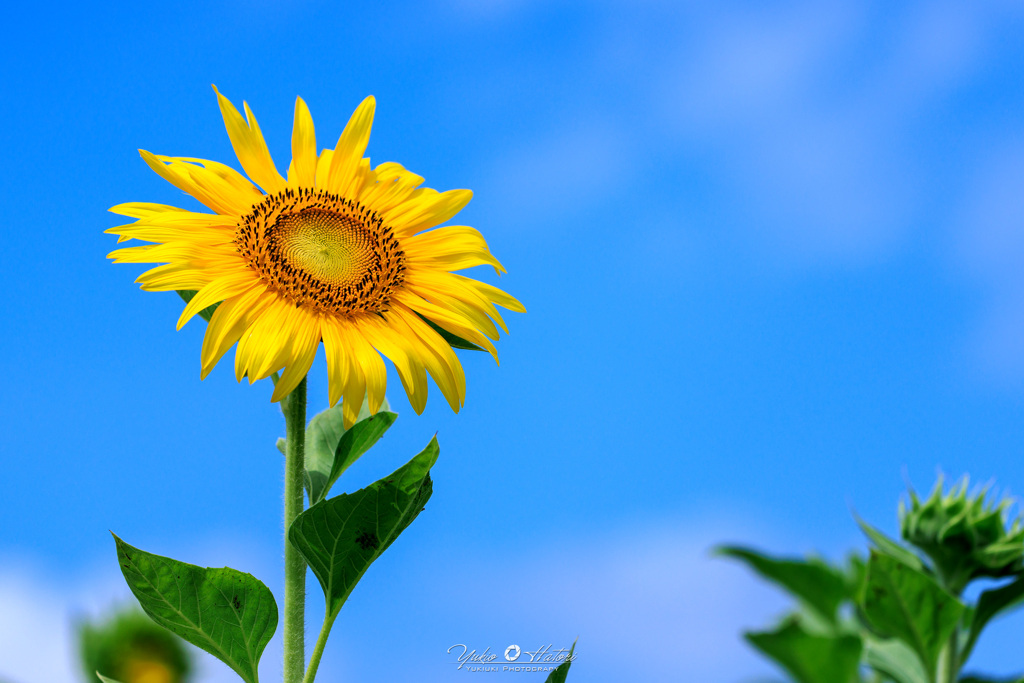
[
  {"x": 38, "y": 610},
  {"x": 35, "y": 632},
  {"x": 650, "y": 604},
  {"x": 809, "y": 108}
]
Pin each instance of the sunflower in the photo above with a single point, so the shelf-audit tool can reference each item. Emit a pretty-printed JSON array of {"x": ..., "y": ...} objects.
[{"x": 337, "y": 252}]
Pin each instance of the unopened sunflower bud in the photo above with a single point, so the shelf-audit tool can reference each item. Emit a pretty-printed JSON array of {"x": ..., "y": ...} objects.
[{"x": 966, "y": 536}]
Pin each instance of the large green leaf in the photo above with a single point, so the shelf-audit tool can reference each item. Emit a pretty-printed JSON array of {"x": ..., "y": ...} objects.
[
  {"x": 886, "y": 545},
  {"x": 815, "y": 583},
  {"x": 342, "y": 536},
  {"x": 991, "y": 603},
  {"x": 105, "y": 679},
  {"x": 331, "y": 449},
  {"x": 894, "y": 659},
  {"x": 207, "y": 312},
  {"x": 230, "y": 614},
  {"x": 810, "y": 658},
  {"x": 562, "y": 670},
  {"x": 903, "y": 602}
]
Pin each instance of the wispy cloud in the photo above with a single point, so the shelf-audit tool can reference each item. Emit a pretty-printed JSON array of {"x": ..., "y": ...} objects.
[
  {"x": 809, "y": 108},
  {"x": 650, "y": 604},
  {"x": 39, "y": 610}
]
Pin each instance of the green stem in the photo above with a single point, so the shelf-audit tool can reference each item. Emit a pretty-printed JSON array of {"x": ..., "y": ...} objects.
[
  {"x": 294, "y": 408},
  {"x": 949, "y": 666},
  {"x": 318, "y": 649}
]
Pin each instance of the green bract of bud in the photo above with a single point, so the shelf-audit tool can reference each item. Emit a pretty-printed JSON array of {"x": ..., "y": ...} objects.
[{"x": 966, "y": 536}]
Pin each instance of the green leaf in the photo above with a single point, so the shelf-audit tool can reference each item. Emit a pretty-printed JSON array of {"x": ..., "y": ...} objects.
[
  {"x": 454, "y": 341},
  {"x": 342, "y": 536},
  {"x": 207, "y": 312},
  {"x": 331, "y": 449},
  {"x": 894, "y": 659},
  {"x": 888, "y": 546},
  {"x": 810, "y": 658},
  {"x": 985, "y": 679},
  {"x": 105, "y": 679},
  {"x": 990, "y": 604},
  {"x": 905, "y": 603},
  {"x": 815, "y": 583},
  {"x": 562, "y": 670},
  {"x": 229, "y": 614}
]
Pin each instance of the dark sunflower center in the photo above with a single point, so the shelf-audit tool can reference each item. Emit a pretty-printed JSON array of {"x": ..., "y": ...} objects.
[{"x": 317, "y": 248}]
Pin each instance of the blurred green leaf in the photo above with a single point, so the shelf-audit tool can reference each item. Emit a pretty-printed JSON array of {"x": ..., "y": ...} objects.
[
  {"x": 230, "y": 614},
  {"x": 893, "y": 658},
  {"x": 331, "y": 449},
  {"x": 905, "y": 603},
  {"x": 207, "y": 312},
  {"x": 888, "y": 546},
  {"x": 105, "y": 679},
  {"x": 985, "y": 679},
  {"x": 562, "y": 670},
  {"x": 991, "y": 603},
  {"x": 812, "y": 581},
  {"x": 342, "y": 536},
  {"x": 117, "y": 643},
  {"x": 810, "y": 658}
]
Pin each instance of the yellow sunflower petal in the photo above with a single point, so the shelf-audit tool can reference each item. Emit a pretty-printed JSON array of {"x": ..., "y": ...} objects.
[
  {"x": 426, "y": 210},
  {"x": 448, "y": 288},
  {"x": 452, "y": 248},
  {"x": 355, "y": 383},
  {"x": 220, "y": 289},
  {"x": 323, "y": 167},
  {"x": 398, "y": 350},
  {"x": 303, "y": 146},
  {"x": 249, "y": 145},
  {"x": 447, "y": 319},
  {"x": 388, "y": 186},
  {"x": 228, "y": 323},
  {"x": 258, "y": 338},
  {"x": 229, "y": 182},
  {"x": 303, "y": 352},
  {"x": 337, "y": 356},
  {"x": 174, "y": 276},
  {"x": 351, "y": 146},
  {"x": 142, "y": 209},
  {"x": 372, "y": 367},
  {"x": 503, "y": 299},
  {"x": 177, "y": 174},
  {"x": 439, "y": 359},
  {"x": 277, "y": 349}
]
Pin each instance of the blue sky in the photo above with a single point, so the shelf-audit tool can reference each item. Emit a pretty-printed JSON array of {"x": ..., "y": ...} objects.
[{"x": 773, "y": 260}]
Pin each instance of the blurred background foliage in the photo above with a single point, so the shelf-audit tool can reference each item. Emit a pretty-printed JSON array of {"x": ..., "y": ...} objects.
[{"x": 126, "y": 645}]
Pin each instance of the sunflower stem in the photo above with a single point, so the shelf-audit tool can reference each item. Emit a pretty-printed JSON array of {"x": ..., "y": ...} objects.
[{"x": 294, "y": 408}]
